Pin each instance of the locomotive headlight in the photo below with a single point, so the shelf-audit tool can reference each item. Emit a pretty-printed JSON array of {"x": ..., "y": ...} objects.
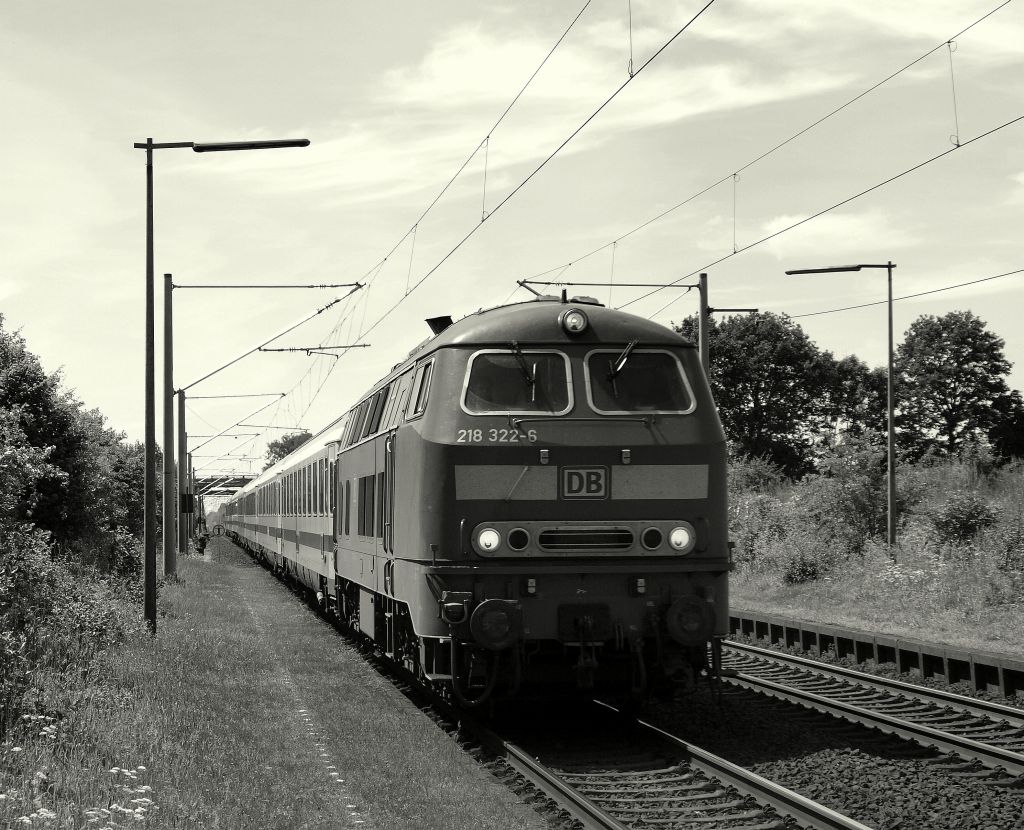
[
  {"x": 574, "y": 321},
  {"x": 488, "y": 539},
  {"x": 682, "y": 538}
]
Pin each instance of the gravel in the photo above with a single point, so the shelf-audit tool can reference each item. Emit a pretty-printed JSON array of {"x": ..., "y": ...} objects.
[{"x": 879, "y": 780}]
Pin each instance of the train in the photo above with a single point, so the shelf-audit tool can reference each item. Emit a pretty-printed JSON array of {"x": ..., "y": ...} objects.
[{"x": 531, "y": 503}]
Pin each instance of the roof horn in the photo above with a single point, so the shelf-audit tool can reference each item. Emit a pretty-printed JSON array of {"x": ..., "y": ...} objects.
[{"x": 439, "y": 324}]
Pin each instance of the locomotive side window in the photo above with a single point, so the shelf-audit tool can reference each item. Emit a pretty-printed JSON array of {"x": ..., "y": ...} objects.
[
  {"x": 365, "y": 513},
  {"x": 421, "y": 389},
  {"x": 519, "y": 381},
  {"x": 625, "y": 381},
  {"x": 348, "y": 507}
]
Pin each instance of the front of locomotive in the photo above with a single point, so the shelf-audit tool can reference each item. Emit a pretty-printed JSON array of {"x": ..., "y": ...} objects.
[{"x": 574, "y": 472}]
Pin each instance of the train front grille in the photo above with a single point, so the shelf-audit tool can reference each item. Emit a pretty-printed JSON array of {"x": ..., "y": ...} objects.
[{"x": 586, "y": 538}]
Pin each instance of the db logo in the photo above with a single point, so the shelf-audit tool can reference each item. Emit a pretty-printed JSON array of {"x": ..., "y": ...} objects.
[{"x": 584, "y": 482}]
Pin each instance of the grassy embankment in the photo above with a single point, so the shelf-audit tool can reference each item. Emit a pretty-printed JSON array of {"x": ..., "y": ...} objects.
[
  {"x": 216, "y": 722},
  {"x": 815, "y": 550}
]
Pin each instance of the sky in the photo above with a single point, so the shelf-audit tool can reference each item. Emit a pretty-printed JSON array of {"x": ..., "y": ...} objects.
[{"x": 395, "y": 97}]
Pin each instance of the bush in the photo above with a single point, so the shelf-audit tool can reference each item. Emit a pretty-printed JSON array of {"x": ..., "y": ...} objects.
[
  {"x": 54, "y": 616},
  {"x": 961, "y": 518}
]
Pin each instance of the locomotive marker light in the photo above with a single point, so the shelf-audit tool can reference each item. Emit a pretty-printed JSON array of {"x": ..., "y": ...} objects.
[
  {"x": 573, "y": 321},
  {"x": 890, "y": 396},
  {"x": 488, "y": 540},
  {"x": 682, "y": 538},
  {"x": 149, "y": 534}
]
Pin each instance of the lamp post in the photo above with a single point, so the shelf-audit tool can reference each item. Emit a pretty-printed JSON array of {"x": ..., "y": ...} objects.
[
  {"x": 890, "y": 398},
  {"x": 149, "y": 534}
]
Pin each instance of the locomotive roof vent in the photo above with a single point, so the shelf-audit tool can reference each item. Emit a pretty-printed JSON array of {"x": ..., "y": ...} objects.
[
  {"x": 586, "y": 301},
  {"x": 439, "y": 324}
]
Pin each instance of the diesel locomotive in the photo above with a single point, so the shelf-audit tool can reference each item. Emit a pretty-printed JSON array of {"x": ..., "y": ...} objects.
[{"x": 532, "y": 502}]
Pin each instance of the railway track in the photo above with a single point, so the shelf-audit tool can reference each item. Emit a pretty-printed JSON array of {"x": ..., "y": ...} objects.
[
  {"x": 616, "y": 773},
  {"x": 971, "y": 728},
  {"x": 612, "y": 772}
]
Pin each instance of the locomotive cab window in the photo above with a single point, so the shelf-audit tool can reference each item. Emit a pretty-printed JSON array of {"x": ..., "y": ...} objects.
[
  {"x": 631, "y": 380},
  {"x": 517, "y": 381}
]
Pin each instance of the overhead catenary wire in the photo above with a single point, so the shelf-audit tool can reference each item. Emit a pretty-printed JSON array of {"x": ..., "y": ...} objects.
[
  {"x": 540, "y": 166},
  {"x": 374, "y": 271},
  {"x": 487, "y": 136},
  {"x": 774, "y": 149},
  {"x": 908, "y": 296},
  {"x": 806, "y": 219}
]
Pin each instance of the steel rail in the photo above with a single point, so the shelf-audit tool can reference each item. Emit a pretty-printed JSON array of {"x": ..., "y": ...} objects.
[
  {"x": 585, "y": 811},
  {"x": 941, "y": 697},
  {"x": 989, "y": 755},
  {"x": 784, "y": 801}
]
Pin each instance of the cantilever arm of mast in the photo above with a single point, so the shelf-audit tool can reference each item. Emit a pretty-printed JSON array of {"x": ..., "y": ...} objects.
[{"x": 259, "y": 346}]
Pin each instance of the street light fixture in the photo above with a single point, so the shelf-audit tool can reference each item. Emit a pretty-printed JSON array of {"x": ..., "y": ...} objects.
[
  {"x": 890, "y": 399},
  {"x": 149, "y": 534}
]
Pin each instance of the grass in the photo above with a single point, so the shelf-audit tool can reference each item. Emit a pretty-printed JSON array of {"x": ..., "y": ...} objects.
[
  {"x": 245, "y": 711},
  {"x": 849, "y": 603},
  {"x": 811, "y": 551}
]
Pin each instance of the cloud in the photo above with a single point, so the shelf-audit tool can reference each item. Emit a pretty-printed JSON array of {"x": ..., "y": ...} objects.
[
  {"x": 857, "y": 236},
  {"x": 425, "y": 119},
  {"x": 1016, "y": 196}
]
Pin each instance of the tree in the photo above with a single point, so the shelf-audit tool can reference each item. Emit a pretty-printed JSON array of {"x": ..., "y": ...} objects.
[
  {"x": 1007, "y": 435},
  {"x": 951, "y": 387},
  {"x": 774, "y": 388},
  {"x": 276, "y": 450},
  {"x": 88, "y": 485}
]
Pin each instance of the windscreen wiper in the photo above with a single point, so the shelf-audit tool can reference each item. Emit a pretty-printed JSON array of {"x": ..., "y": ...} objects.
[
  {"x": 617, "y": 365},
  {"x": 521, "y": 360}
]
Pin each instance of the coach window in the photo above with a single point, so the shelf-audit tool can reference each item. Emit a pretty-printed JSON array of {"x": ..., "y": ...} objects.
[
  {"x": 517, "y": 382},
  {"x": 624, "y": 381},
  {"x": 321, "y": 477},
  {"x": 331, "y": 487}
]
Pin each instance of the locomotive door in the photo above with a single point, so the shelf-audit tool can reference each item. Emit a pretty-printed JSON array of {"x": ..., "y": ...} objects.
[{"x": 388, "y": 513}]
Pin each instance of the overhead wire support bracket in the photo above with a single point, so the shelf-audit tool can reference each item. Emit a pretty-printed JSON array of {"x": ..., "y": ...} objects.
[
  {"x": 356, "y": 285},
  {"x": 527, "y": 283},
  {"x": 281, "y": 333},
  {"x": 320, "y": 349},
  {"x": 249, "y": 395}
]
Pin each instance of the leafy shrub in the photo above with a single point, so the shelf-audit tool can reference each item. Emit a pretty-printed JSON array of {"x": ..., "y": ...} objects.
[
  {"x": 962, "y": 517},
  {"x": 752, "y": 474},
  {"x": 53, "y": 617}
]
